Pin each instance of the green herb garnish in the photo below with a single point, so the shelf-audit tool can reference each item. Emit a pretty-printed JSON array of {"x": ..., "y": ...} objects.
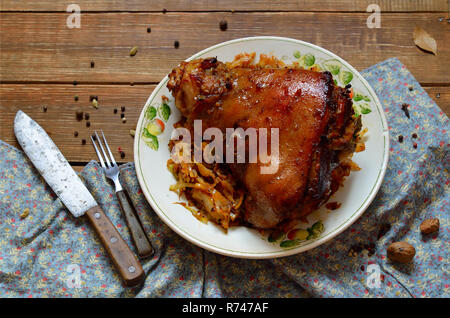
[{"x": 164, "y": 111}]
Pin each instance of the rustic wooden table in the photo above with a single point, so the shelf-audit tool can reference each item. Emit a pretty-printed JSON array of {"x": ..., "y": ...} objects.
[{"x": 41, "y": 57}]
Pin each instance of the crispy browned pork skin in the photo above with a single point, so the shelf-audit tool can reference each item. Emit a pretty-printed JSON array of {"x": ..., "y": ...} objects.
[{"x": 317, "y": 130}]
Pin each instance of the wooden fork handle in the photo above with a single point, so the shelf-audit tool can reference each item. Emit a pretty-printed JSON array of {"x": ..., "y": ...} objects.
[
  {"x": 128, "y": 265},
  {"x": 141, "y": 241}
]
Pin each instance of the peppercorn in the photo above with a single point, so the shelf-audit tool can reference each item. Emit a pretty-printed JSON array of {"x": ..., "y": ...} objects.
[
  {"x": 115, "y": 110},
  {"x": 164, "y": 11},
  {"x": 75, "y": 133},
  {"x": 75, "y": 98},
  {"x": 122, "y": 154},
  {"x": 414, "y": 135},
  {"x": 223, "y": 25},
  {"x": 92, "y": 97},
  {"x": 83, "y": 141},
  {"x": 122, "y": 115},
  {"x": 86, "y": 116},
  {"x": 92, "y": 64},
  {"x": 415, "y": 145},
  {"x": 405, "y": 109},
  {"x": 400, "y": 138},
  {"x": 176, "y": 44},
  {"x": 122, "y": 109},
  {"x": 44, "y": 109},
  {"x": 88, "y": 124},
  {"x": 149, "y": 30},
  {"x": 79, "y": 115},
  {"x": 75, "y": 83}
]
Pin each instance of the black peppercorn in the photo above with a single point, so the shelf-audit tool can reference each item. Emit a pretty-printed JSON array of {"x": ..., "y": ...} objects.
[
  {"x": 44, "y": 109},
  {"x": 122, "y": 115},
  {"x": 223, "y": 25},
  {"x": 400, "y": 138},
  {"x": 92, "y": 64},
  {"x": 75, "y": 133},
  {"x": 88, "y": 124},
  {"x": 414, "y": 135},
  {"x": 75, "y": 83},
  {"x": 83, "y": 141},
  {"x": 86, "y": 116},
  {"x": 122, "y": 154},
  {"x": 75, "y": 97},
  {"x": 415, "y": 145},
  {"x": 115, "y": 110},
  {"x": 79, "y": 115},
  {"x": 122, "y": 109},
  {"x": 149, "y": 30},
  {"x": 176, "y": 44}
]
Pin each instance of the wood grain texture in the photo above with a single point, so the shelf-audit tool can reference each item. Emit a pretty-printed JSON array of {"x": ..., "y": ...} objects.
[
  {"x": 237, "y": 5},
  {"x": 60, "y": 122},
  {"x": 38, "y": 47}
]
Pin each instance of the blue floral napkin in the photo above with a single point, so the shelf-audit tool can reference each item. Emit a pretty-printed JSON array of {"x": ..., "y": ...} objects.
[{"x": 45, "y": 252}]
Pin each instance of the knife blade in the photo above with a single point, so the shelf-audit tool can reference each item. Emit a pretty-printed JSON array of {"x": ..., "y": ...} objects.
[{"x": 66, "y": 184}]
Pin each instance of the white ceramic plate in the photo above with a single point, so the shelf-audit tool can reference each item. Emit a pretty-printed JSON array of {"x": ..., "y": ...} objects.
[{"x": 359, "y": 189}]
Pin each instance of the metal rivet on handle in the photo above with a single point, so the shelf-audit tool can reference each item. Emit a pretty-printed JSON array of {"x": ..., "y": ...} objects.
[
  {"x": 113, "y": 239},
  {"x": 97, "y": 215},
  {"x": 131, "y": 269}
]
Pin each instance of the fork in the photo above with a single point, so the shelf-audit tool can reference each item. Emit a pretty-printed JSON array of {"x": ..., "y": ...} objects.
[{"x": 111, "y": 169}]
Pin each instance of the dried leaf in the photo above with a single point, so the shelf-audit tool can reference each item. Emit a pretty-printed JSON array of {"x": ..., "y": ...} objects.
[{"x": 425, "y": 41}]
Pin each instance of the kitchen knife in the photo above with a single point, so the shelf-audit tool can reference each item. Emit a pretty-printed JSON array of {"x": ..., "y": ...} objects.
[{"x": 60, "y": 176}]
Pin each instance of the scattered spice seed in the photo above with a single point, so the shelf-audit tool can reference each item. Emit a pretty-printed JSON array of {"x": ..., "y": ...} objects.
[
  {"x": 133, "y": 51},
  {"x": 176, "y": 44},
  {"x": 415, "y": 145},
  {"x": 384, "y": 228},
  {"x": 94, "y": 103},
  {"x": 441, "y": 19},
  {"x": 414, "y": 135},
  {"x": 88, "y": 124},
  {"x": 362, "y": 267},
  {"x": 149, "y": 29},
  {"x": 400, "y": 138},
  {"x": 122, "y": 115},
  {"x": 438, "y": 95},
  {"x": 92, "y": 64},
  {"x": 115, "y": 110},
  {"x": 44, "y": 109},
  {"x": 164, "y": 11},
  {"x": 86, "y": 116},
  {"x": 124, "y": 120},
  {"x": 405, "y": 109},
  {"x": 132, "y": 132},
  {"x": 75, "y": 133},
  {"x": 122, "y": 109},
  {"x": 223, "y": 25},
  {"x": 83, "y": 141},
  {"x": 92, "y": 97},
  {"x": 25, "y": 213},
  {"x": 122, "y": 154},
  {"x": 75, "y": 98},
  {"x": 131, "y": 83},
  {"x": 411, "y": 88},
  {"x": 75, "y": 83},
  {"x": 79, "y": 115}
]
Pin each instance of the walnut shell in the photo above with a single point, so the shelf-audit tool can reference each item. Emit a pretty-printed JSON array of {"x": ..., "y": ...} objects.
[
  {"x": 429, "y": 226},
  {"x": 401, "y": 252}
]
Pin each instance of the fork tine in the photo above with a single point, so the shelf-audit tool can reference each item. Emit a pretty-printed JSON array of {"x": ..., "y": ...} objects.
[
  {"x": 108, "y": 164},
  {"x": 109, "y": 150},
  {"x": 98, "y": 154}
]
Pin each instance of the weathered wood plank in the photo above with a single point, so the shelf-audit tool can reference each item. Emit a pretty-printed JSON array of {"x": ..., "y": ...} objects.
[
  {"x": 60, "y": 118},
  {"x": 39, "y": 47},
  {"x": 228, "y": 5},
  {"x": 60, "y": 122}
]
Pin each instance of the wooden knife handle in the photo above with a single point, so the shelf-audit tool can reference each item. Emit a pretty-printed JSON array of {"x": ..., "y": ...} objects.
[
  {"x": 126, "y": 262},
  {"x": 141, "y": 241}
]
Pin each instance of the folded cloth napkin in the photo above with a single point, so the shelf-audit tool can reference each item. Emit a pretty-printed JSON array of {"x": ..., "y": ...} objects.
[{"x": 45, "y": 252}]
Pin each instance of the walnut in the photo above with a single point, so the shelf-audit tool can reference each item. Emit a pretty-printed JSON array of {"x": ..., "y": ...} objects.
[
  {"x": 401, "y": 252},
  {"x": 429, "y": 226}
]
